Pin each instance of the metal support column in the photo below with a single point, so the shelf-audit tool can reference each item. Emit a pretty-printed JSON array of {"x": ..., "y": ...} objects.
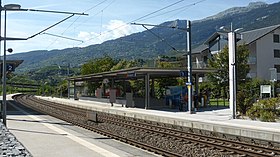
[
  {"x": 75, "y": 91},
  {"x": 1, "y": 108},
  {"x": 196, "y": 90},
  {"x": 112, "y": 83},
  {"x": 4, "y": 72},
  {"x": 153, "y": 88},
  {"x": 232, "y": 72},
  {"x": 147, "y": 91},
  {"x": 189, "y": 63},
  {"x": 68, "y": 83}
]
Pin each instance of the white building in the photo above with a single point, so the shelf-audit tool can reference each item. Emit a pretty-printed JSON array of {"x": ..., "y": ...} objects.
[{"x": 264, "y": 46}]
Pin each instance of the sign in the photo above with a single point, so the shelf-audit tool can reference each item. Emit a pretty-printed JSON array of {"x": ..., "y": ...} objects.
[
  {"x": 10, "y": 67},
  {"x": 188, "y": 83},
  {"x": 183, "y": 73},
  {"x": 131, "y": 75},
  {"x": 266, "y": 89}
]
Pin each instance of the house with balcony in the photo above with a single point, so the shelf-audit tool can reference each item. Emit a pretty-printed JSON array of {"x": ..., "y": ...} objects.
[{"x": 263, "y": 44}]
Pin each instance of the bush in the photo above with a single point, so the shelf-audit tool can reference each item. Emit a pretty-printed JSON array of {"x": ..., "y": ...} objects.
[
  {"x": 244, "y": 101},
  {"x": 267, "y": 110}
]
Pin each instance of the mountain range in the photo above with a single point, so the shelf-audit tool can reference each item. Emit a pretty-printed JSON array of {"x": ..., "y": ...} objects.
[{"x": 156, "y": 41}]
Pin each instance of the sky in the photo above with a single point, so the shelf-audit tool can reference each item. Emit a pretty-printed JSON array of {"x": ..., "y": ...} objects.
[{"x": 107, "y": 19}]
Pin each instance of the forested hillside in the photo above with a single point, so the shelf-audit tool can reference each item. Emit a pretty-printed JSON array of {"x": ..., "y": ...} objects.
[{"x": 145, "y": 45}]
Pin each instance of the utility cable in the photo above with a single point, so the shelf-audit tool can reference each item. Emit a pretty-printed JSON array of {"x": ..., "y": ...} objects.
[
  {"x": 101, "y": 22},
  {"x": 76, "y": 20},
  {"x": 50, "y": 26},
  {"x": 140, "y": 18},
  {"x": 96, "y": 5},
  {"x": 161, "y": 39},
  {"x": 180, "y": 8},
  {"x": 157, "y": 10},
  {"x": 59, "y": 36},
  {"x": 86, "y": 20},
  {"x": 154, "y": 12}
]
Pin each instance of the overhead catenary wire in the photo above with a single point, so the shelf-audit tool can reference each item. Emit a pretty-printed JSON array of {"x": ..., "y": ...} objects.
[
  {"x": 76, "y": 21},
  {"x": 183, "y": 9},
  {"x": 157, "y": 10},
  {"x": 101, "y": 21},
  {"x": 51, "y": 26},
  {"x": 96, "y": 5},
  {"x": 59, "y": 36},
  {"x": 161, "y": 39},
  {"x": 101, "y": 11},
  {"x": 142, "y": 17},
  {"x": 170, "y": 5},
  {"x": 180, "y": 9}
]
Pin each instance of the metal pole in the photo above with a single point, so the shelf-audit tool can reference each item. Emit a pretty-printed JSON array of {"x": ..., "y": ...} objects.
[
  {"x": 189, "y": 58},
  {"x": 1, "y": 108},
  {"x": 235, "y": 77},
  {"x": 68, "y": 73},
  {"x": 232, "y": 72},
  {"x": 4, "y": 72}
]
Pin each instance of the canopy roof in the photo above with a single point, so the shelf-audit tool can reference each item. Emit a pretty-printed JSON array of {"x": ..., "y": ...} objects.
[{"x": 138, "y": 72}]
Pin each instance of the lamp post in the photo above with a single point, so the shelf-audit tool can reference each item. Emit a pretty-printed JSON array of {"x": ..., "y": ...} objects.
[{"x": 9, "y": 7}]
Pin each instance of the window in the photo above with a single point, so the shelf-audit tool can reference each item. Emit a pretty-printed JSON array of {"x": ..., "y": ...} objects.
[
  {"x": 276, "y": 53},
  {"x": 277, "y": 68},
  {"x": 276, "y": 38}
]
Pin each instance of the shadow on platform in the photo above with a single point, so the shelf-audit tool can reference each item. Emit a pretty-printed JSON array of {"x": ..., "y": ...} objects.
[{"x": 41, "y": 121}]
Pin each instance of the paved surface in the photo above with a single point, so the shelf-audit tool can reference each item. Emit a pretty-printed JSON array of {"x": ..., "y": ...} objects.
[
  {"x": 213, "y": 120},
  {"x": 9, "y": 145},
  {"x": 45, "y": 136}
]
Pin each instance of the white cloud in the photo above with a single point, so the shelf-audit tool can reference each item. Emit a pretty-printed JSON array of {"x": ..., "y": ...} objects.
[
  {"x": 84, "y": 35},
  {"x": 114, "y": 29},
  {"x": 119, "y": 28}
]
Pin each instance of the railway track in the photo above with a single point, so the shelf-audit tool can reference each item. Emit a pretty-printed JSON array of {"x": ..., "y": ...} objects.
[{"x": 161, "y": 140}]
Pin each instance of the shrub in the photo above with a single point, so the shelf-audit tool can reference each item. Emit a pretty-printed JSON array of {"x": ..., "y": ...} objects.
[
  {"x": 267, "y": 110},
  {"x": 244, "y": 101}
]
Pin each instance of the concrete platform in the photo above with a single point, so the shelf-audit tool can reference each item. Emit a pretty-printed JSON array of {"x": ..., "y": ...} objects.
[
  {"x": 213, "y": 120},
  {"x": 46, "y": 136}
]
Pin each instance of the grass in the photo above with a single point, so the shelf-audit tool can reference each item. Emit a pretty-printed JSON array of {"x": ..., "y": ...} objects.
[{"x": 219, "y": 102}]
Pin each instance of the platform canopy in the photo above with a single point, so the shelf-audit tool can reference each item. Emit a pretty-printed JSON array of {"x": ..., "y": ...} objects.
[{"x": 139, "y": 72}]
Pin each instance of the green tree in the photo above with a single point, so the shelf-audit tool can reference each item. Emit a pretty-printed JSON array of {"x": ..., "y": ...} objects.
[
  {"x": 161, "y": 83},
  {"x": 220, "y": 62},
  {"x": 97, "y": 66},
  {"x": 124, "y": 64},
  {"x": 220, "y": 79}
]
